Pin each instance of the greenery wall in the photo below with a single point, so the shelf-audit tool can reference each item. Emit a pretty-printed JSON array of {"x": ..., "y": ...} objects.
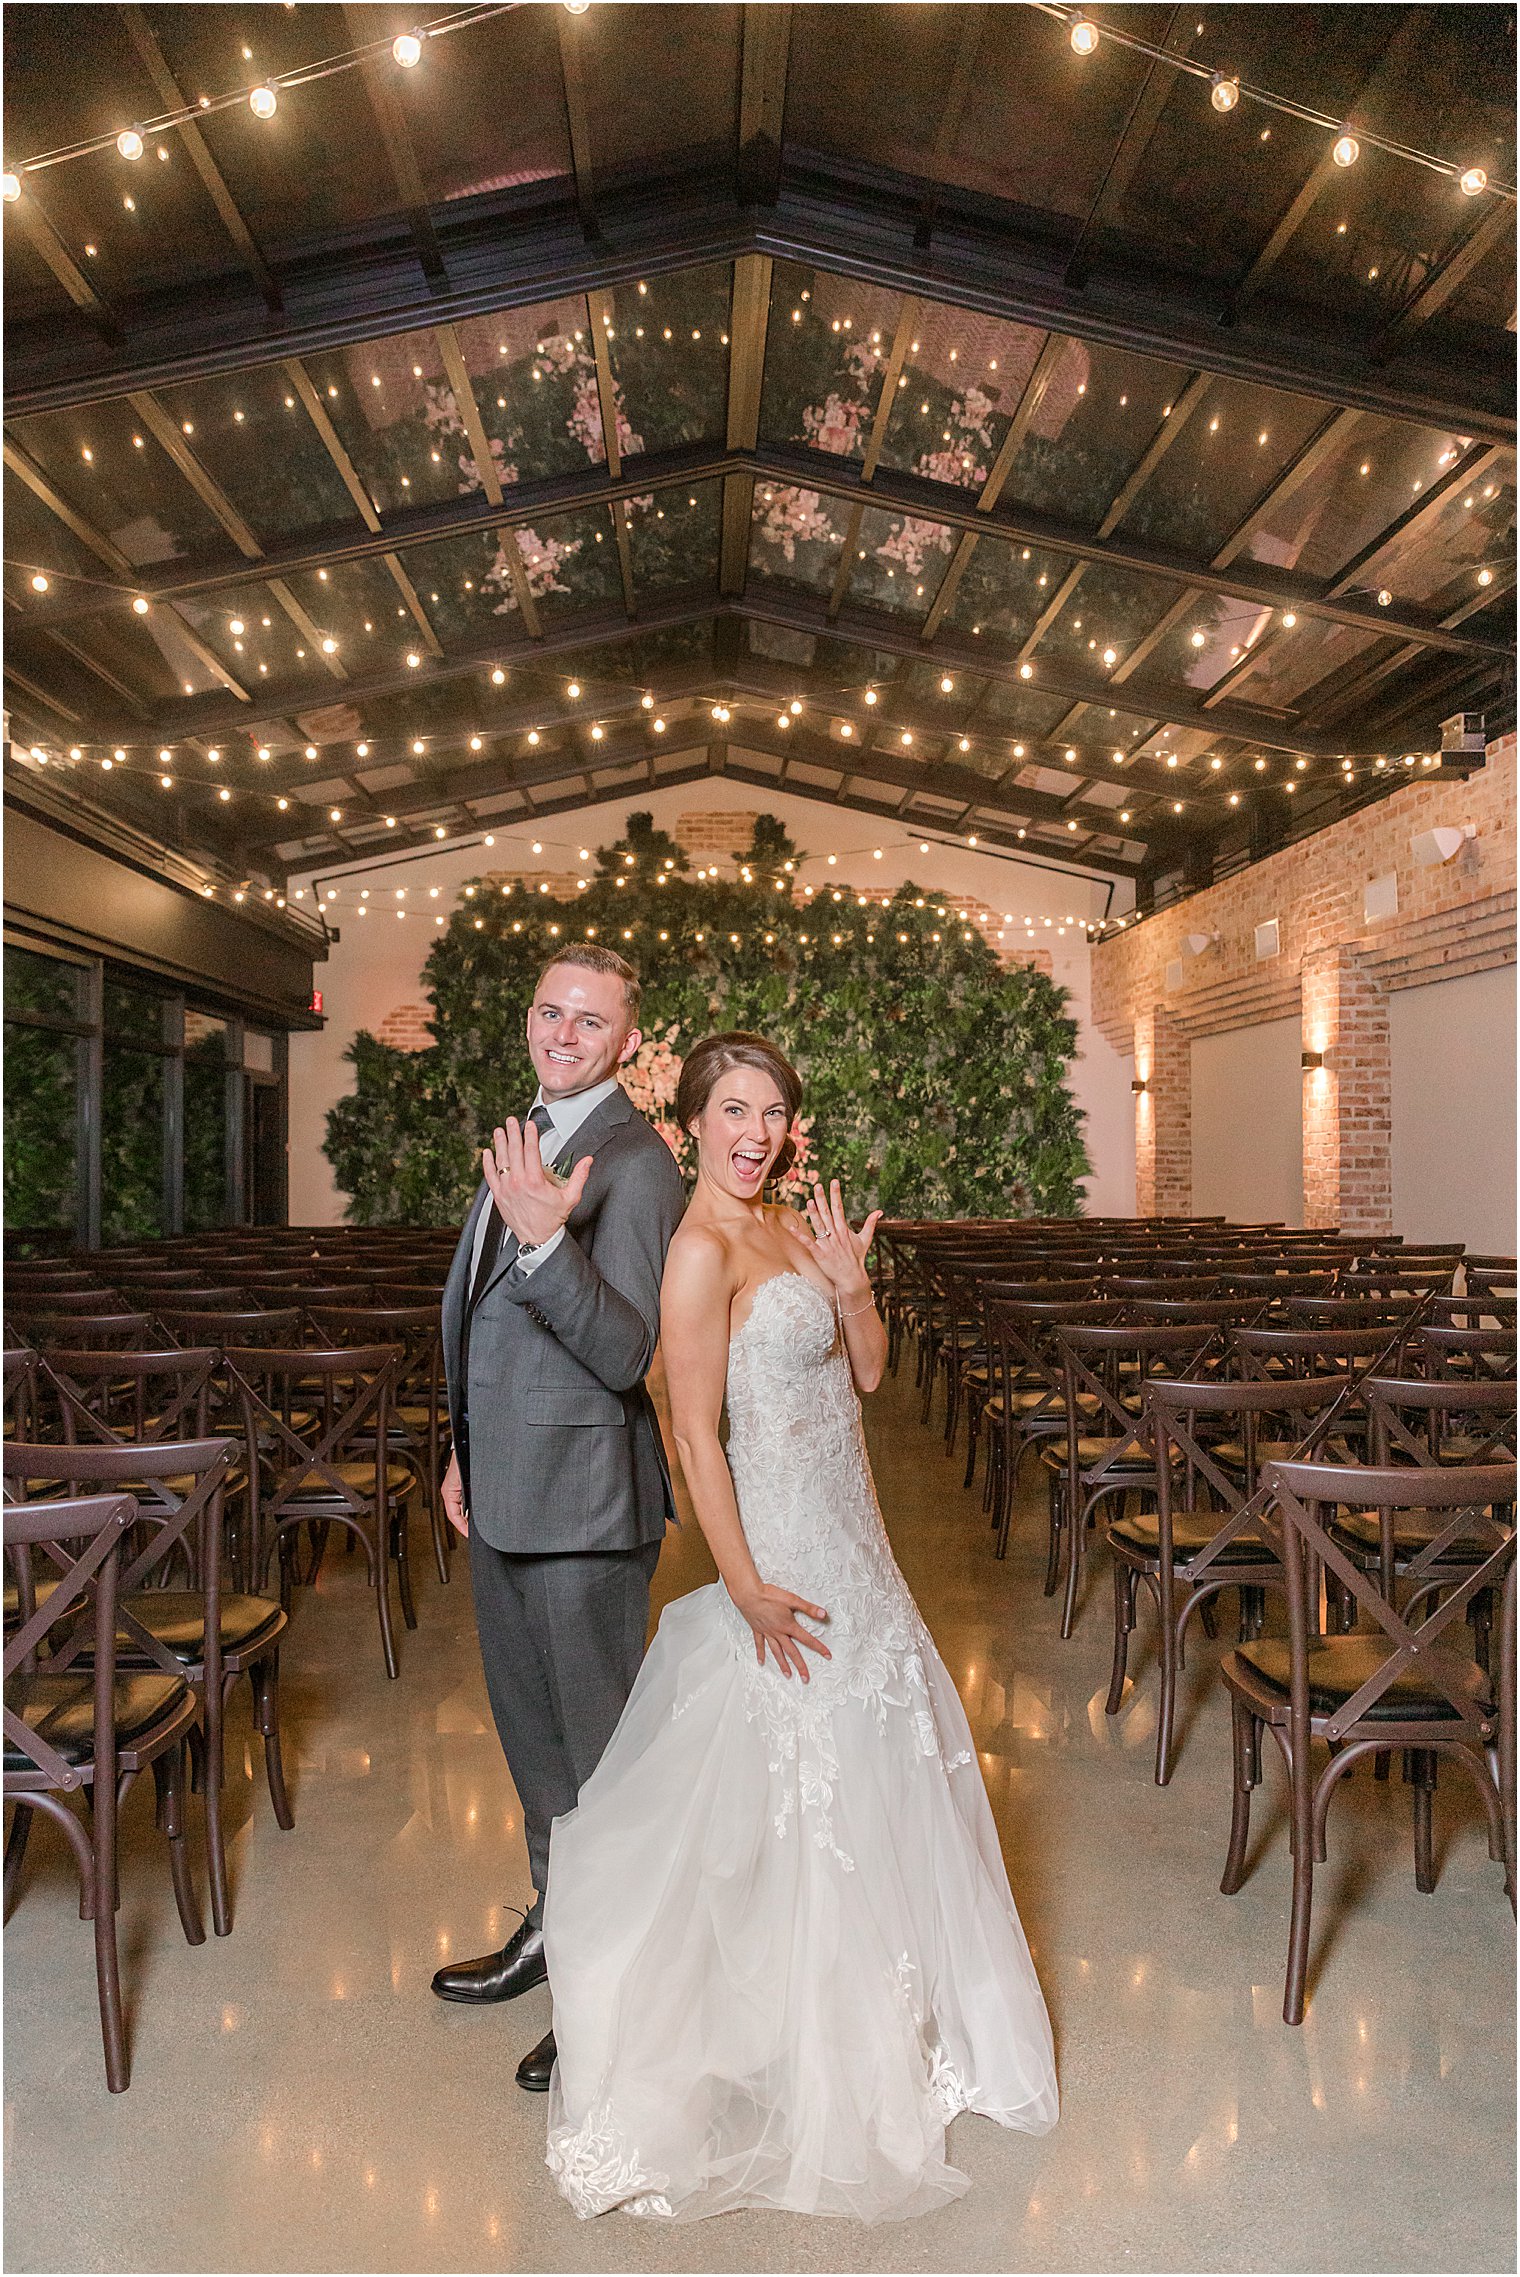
[{"x": 936, "y": 1077}]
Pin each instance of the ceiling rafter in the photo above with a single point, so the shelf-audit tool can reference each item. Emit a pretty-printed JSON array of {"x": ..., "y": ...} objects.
[
  {"x": 1447, "y": 277},
  {"x": 748, "y": 320},
  {"x": 51, "y": 250},
  {"x": 972, "y": 17},
  {"x": 1151, "y": 99},
  {"x": 907, "y": 318},
  {"x": 172, "y": 96},
  {"x": 1404, "y": 37},
  {"x": 577, "y": 122},
  {"x": 764, "y": 56},
  {"x": 360, "y": 290},
  {"x": 390, "y": 118},
  {"x": 599, "y": 324},
  {"x": 831, "y": 476}
]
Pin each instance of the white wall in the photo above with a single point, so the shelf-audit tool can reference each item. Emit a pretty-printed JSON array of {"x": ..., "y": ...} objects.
[
  {"x": 1453, "y": 1045},
  {"x": 1248, "y": 1148},
  {"x": 376, "y": 966}
]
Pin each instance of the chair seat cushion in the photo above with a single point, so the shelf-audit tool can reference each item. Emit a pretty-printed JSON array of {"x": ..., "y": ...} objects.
[
  {"x": 1091, "y": 1452},
  {"x": 1191, "y": 1530},
  {"x": 1359, "y": 1530},
  {"x": 1340, "y": 1666},
  {"x": 418, "y": 1415},
  {"x": 61, "y": 1710},
  {"x": 177, "y": 1618},
  {"x": 358, "y": 1475}
]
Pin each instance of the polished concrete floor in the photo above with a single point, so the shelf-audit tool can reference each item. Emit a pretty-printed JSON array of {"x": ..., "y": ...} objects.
[{"x": 300, "y": 2102}]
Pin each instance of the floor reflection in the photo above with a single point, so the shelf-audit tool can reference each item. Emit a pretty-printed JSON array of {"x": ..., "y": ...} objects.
[{"x": 300, "y": 2102}]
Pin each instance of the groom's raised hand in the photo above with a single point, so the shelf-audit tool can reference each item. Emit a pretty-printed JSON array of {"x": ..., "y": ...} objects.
[{"x": 532, "y": 1202}]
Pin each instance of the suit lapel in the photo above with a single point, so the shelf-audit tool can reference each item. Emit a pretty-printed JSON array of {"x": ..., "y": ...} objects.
[{"x": 615, "y": 1108}]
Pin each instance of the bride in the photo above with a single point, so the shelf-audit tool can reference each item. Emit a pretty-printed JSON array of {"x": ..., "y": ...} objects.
[{"x": 780, "y": 1938}]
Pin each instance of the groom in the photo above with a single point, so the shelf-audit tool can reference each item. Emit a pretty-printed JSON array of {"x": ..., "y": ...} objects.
[{"x": 550, "y": 1320}]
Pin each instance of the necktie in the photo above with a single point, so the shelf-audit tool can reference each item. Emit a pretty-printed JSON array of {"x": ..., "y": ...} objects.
[{"x": 490, "y": 1248}]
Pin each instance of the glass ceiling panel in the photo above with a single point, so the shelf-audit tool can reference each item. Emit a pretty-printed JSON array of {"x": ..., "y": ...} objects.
[
  {"x": 1206, "y": 643},
  {"x": 958, "y": 390},
  {"x": 827, "y": 343},
  {"x": 113, "y": 473},
  {"x": 1093, "y": 424},
  {"x": 1297, "y": 663},
  {"x": 252, "y": 635},
  {"x": 38, "y": 544},
  {"x": 395, "y": 415},
  {"x": 148, "y": 654},
  {"x": 899, "y": 562},
  {"x": 358, "y": 604},
  {"x": 1226, "y": 457},
  {"x": 1096, "y": 731},
  {"x": 1003, "y": 588},
  {"x": 572, "y": 561},
  {"x": 1019, "y": 712},
  {"x": 1436, "y": 563},
  {"x": 668, "y": 348},
  {"x": 465, "y": 585},
  {"x": 251, "y": 433},
  {"x": 1380, "y": 470},
  {"x": 534, "y": 375},
  {"x": 795, "y": 536},
  {"x": 1105, "y": 615},
  {"x": 673, "y": 538}
]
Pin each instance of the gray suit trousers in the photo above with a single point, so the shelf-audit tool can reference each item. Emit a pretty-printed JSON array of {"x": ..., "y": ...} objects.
[{"x": 562, "y": 1638}]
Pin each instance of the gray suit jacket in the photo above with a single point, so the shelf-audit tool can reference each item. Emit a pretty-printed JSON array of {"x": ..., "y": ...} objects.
[{"x": 564, "y": 1452}]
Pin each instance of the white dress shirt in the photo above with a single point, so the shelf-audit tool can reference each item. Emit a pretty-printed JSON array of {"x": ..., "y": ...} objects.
[{"x": 566, "y": 1117}]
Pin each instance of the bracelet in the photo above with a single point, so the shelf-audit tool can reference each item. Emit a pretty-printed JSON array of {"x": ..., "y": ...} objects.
[{"x": 856, "y": 1310}]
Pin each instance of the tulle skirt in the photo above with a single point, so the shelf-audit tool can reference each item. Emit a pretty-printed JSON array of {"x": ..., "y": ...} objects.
[{"x": 780, "y": 1967}]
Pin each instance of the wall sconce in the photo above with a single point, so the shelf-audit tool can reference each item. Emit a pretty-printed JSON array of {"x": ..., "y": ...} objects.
[
  {"x": 1430, "y": 848},
  {"x": 1139, "y": 1084},
  {"x": 1311, "y": 1059}
]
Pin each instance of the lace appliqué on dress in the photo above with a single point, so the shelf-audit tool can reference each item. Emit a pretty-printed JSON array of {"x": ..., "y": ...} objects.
[
  {"x": 811, "y": 1518},
  {"x": 596, "y": 2170}
]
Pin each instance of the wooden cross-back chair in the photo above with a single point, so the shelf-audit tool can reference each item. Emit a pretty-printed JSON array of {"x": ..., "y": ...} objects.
[
  {"x": 418, "y": 1408},
  {"x": 1397, "y": 1684},
  {"x": 208, "y": 1635},
  {"x": 88, "y": 1730},
  {"x": 1203, "y": 1535},
  {"x": 1106, "y": 1450},
  {"x": 320, "y": 1422},
  {"x": 1027, "y": 1402}
]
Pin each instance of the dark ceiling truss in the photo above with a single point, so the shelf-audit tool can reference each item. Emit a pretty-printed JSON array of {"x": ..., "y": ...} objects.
[
  {"x": 1151, "y": 100},
  {"x": 1403, "y": 40},
  {"x": 823, "y": 471},
  {"x": 470, "y": 795},
  {"x": 206, "y": 718},
  {"x": 764, "y": 56},
  {"x": 515, "y": 251},
  {"x": 170, "y": 93}
]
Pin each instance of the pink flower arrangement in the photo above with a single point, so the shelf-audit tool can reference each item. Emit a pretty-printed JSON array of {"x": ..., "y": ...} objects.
[{"x": 791, "y": 518}]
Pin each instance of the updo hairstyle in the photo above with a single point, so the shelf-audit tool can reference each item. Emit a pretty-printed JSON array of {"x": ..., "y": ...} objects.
[{"x": 713, "y": 1057}]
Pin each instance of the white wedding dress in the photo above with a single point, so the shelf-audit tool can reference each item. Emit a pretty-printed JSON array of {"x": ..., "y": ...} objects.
[{"x": 781, "y": 1943}]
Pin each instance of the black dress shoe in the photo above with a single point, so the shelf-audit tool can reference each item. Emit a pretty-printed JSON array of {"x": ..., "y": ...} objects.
[
  {"x": 537, "y": 2066},
  {"x": 518, "y": 1967}
]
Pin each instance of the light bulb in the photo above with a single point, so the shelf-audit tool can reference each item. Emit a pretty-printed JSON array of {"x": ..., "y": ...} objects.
[
  {"x": 577, "y": 7},
  {"x": 1346, "y": 151},
  {"x": 407, "y": 49},
  {"x": 1224, "y": 93},
  {"x": 130, "y": 143},
  {"x": 39, "y": 583},
  {"x": 11, "y": 184},
  {"x": 1470, "y": 183},
  {"x": 574, "y": 688},
  {"x": 947, "y": 686},
  {"x": 1084, "y": 35},
  {"x": 139, "y": 607},
  {"x": 263, "y": 102},
  {"x": 1384, "y": 597},
  {"x": 1289, "y": 619},
  {"x": 1485, "y": 577}
]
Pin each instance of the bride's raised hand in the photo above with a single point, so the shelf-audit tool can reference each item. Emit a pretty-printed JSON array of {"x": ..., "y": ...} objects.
[
  {"x": 838, "y": 1249},
  {"x": 772, "y": 1614}
]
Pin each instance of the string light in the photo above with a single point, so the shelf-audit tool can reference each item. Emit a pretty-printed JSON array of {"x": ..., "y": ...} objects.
[
  {"x": 263, "y": 102},
  {"x": 1471, "y": 181},
  {"x": 1224, "y": 93},
  {"x": 406, "y": 47},
  {"x": 1346, "y": 150},
  {"x": 1084, "y": 35}
]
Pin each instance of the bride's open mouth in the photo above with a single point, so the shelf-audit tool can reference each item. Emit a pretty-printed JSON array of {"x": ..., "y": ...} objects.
[{"x": 749, "y": 1163}]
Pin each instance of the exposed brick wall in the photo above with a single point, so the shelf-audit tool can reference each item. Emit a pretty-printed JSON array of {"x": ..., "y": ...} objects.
[
  {"x": 408, "y": 1028},
  {"x": 1348, "y": 1103},
  {"x": 1335, "y": 965},
  {"x": 1452, "y": 919},
  {"x": 1163, "y": 1117}
]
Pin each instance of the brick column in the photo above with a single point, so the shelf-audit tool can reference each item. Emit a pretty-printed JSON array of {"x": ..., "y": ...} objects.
[
  {"x": 1348, "y": 1103},
  {"x": 1163, "y": 1117}
]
